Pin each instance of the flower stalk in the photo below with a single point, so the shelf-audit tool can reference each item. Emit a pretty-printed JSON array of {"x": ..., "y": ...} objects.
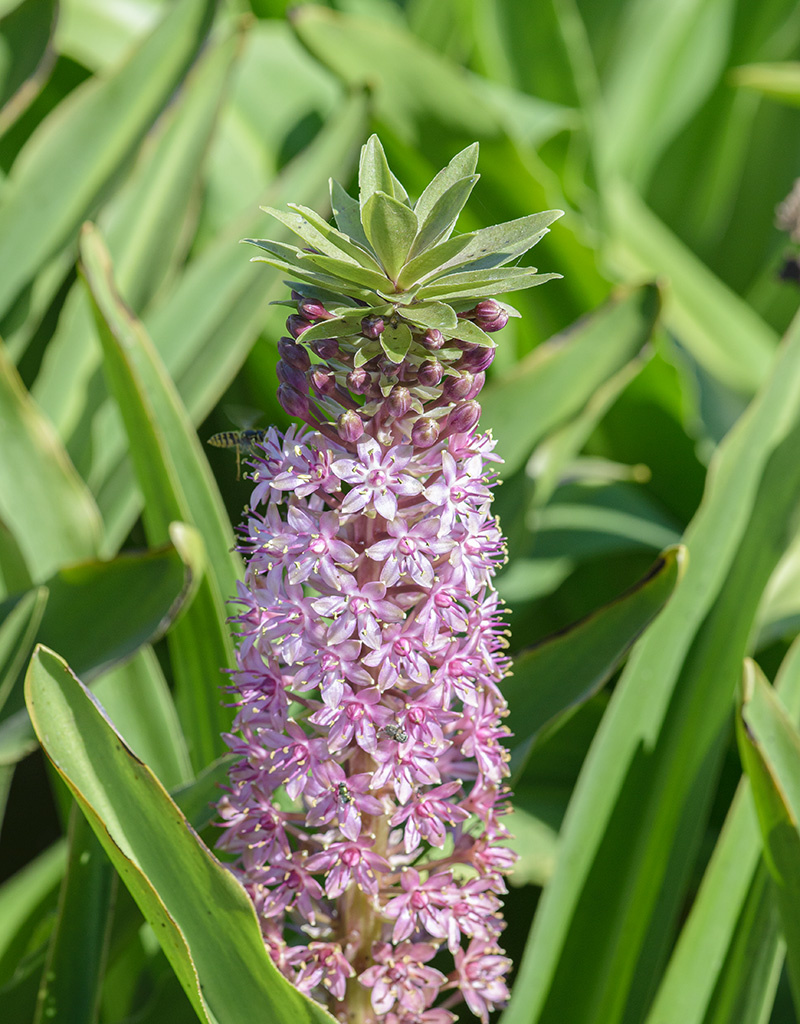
[{"x": 365, "y": 811}]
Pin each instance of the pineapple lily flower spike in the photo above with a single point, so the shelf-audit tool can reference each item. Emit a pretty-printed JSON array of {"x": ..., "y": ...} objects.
[{"x": 365, "y": 812}]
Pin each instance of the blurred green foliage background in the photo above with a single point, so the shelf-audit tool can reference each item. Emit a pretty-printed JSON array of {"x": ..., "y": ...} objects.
[{"x": 668, "y": 133}]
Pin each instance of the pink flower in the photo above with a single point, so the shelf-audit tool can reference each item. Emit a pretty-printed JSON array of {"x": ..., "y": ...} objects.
[
  {"x": 479, "y": 972},
  {"x": 321, "y": 963},
  {"x": 358, "y": 716},
  {"x": 408, "y": 551},
  {"x": 377, "y": 478},
  {"x": 399, "y": 975},
  {"x": 349, "y": 861},
  {"x": 427, "y": 815}
]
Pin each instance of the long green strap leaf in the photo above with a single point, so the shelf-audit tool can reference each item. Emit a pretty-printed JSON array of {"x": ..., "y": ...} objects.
[
  {"x": 723, "y": 965},
  {"x": 73, "y": 973},
  {"x": 177, "y": 483},
  {"x": 555, "y": 381},
  {"x": 555, "y": 677},
  {"x": 723, "y": 333},
  {"x": 144, "y": 224},
  {"x": 19, "y": 622},
  {"x": 59, "y": 173},
  {"x": 651, "y": 767},
  {"x": 200, "y": 914},
  {"x": 101, "y": 613},
  {"x": 43, "y": 502},
  {"x": 769, "y": 745}
]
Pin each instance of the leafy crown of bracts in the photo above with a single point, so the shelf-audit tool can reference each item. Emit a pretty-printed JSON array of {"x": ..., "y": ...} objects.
[{"x": 391, "y": 283}]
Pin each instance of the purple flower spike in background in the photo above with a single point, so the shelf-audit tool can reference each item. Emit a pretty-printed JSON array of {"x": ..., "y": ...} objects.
[{"x": 366, "y": 810}]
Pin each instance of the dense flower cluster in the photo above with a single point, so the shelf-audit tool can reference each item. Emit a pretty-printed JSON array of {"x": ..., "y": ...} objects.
[
  {"x": 365, "y": 810},
  {"x": 368, "y": 690}
]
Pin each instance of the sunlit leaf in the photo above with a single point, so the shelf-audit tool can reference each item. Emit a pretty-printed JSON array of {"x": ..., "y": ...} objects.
[{"x": 181, "y": 889}]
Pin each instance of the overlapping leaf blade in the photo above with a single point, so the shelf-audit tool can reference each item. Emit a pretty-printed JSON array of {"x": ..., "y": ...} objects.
[
  {"x": 177, "y": 483},
  {"x": 200, "y": 914},
  {"x": 57, "y": 178},
  {"x": 651, "y": 768},
  {"x": 770, "y": 748},
  {"x": 555, "y": 381}
]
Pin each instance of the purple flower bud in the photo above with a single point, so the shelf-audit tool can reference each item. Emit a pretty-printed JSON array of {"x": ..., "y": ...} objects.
[
  {"x": 326, "y": 348},
  {"x": 424, "y": 433},
  {"x": 463, "y": 418},
  {"x": 430, "y": 373},
  {"x": 372, "y": 326},
  {"x": 432, "y": 339},
  {"x": 359, "y": 381},
  {"x": 292, "y": 401},
  {"x": 456, "y": 389},
  {"x": 479, "y": 379},
  {"x": 398, "y": 401},
  {"x": 295, "y": 325},
  {"x": 288, "y": 374},
  {"x": 350, "y": 426},
  {"x": 312, "y": 309},
  {"x": 323, "y": 380},
  {"x": 389, "y": 368},
  {"x": 476, "y": 358},
  {"x": 293, "y": 354},
  {"x": 489, "y": 315}
]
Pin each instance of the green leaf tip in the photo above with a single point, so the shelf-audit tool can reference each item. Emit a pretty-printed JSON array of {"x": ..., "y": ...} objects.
[{"x": 386, "y": 248}]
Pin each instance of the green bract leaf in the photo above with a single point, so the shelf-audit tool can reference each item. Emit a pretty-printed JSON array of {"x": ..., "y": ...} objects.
[
  {"x": 442, "y": 218},
  {"x": 432, "y": 260},
  {"x": 341, "y": 241},
  {"x": 366, "y": 352},
  {"x": 466, "y": 330},
  {"x": 347, "y": 213},
  {"x": 309, "y": 233},
  {"x": 516, "y": 283},
  {"x": 434, "y": 314},
  {"x": 201, "y": 915},
  {"x": 348, "y": 273},
  {"x": 309, "y": 276},
  {"x": 494, "y": 246},
  {"x": 461, "y": 167},
  {"x": 391, "y": 228},
  {"x": 338, "y": 328},
  {"x": 373, "y": 173},
  {"x": 396, "y": 341}
]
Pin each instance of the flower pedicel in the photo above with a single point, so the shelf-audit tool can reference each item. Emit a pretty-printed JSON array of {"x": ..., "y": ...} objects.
[{"x": 365, "y": 811}]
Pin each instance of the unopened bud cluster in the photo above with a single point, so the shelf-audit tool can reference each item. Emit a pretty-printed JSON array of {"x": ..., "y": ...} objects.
[{"x": 428, "y": 396}]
